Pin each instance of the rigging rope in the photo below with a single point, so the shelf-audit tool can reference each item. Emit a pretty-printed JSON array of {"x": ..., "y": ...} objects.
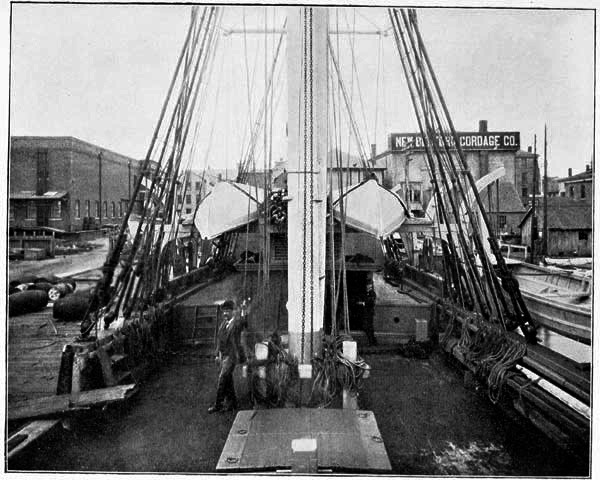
[{"x": 351, "y": 41}]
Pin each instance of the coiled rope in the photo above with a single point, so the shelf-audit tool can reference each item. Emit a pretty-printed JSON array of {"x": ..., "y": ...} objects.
[{"x": 492, "y": 353}]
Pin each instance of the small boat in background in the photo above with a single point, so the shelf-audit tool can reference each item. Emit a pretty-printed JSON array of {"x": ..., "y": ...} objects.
[{"x": 557, "y": 299}]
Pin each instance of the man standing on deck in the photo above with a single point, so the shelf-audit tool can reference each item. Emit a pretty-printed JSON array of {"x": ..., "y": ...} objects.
[{"x": 231, "y": 349}]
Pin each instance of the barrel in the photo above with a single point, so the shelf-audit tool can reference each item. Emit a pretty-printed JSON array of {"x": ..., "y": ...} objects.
[
  {"x": 72, "y": 308},
  {"x": 60, "y": 290},
  {"x": 27, "y": 302}
]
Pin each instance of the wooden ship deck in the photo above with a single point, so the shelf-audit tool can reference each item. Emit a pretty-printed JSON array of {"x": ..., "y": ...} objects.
[{"x": 35, "y": 344}]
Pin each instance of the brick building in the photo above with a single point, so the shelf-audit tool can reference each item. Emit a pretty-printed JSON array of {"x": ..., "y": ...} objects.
[
  {"x": 67, "y": 184},
  {"x": 406, "y": 163},
  {"x": 351, "y": 171},
  {"x": 578, "y": 186},
  {"x": 192, "y": 192}
]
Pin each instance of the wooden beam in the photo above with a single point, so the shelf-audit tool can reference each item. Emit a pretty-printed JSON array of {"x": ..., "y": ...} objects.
[
  {"x": 25, "y": 436},
  {"x": 57, "y": 405}
]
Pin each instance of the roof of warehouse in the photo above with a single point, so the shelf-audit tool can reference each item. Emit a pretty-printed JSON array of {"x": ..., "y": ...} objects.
[
  {"x": 589, "y": 175},
  {"x": 29, "y": 195},
  {"x": 510, "y": 201},
  {"x": 566, "y": 214}
]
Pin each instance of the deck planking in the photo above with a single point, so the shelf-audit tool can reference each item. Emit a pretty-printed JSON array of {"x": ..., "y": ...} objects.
[{"x": 34, "y": 353}]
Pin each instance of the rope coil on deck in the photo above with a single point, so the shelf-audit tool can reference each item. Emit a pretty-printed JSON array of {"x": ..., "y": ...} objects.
[{"x": 492, "y": 353}]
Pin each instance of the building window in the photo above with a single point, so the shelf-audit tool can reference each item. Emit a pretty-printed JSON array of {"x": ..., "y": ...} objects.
[
  {"x": 120, "y": 209},
  {"x": 188, "y": 199},
  {"x": 198, "y": 199},
  {"x": 11, "y": 211},
  {"x": 179, "y": 199},
  {"x": 56, "y": 210},
  {"x": 524, "y": 192},
  {"x": 198, "y": 186},
  {"x": 77, "y": 209},
  {"x": 105, "y": 208},
  {"x": 113, "y": 209},
  {"x": 87, "y": 208},
  {"x": 188, "y": 210},
  {"x": 582, "y": 190},
  {"x": 501, "y": 221},
  {"x": 583, "y": 235},
  {"x": 97, "y": 208},
  {"x": 31, "y": 210},
  {"x": 571, "y": 192},
  {"x": 524, "y": 178},
  {"x": 279, "y": 246}
]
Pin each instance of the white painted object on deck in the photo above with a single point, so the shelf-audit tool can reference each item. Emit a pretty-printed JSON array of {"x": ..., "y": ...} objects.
[
  {"x": 305, "y": 370},
  {"x": 304, "y": 445},
  {"x": 421, "y": 330},
  {"x": 349, "y": 399},
  {"x": 261, "y": 351},
  {"x": 349, "y": 350},
  {"x": 304, "y": 455}
]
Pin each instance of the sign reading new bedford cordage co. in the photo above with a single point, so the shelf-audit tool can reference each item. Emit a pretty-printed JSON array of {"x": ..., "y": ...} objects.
[{"x": 468, "y": 141}]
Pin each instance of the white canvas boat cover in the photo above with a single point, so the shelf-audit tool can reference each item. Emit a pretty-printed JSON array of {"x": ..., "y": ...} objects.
[
  {"x": 373, "y": 209},
  {"x": 228, "y": 206}
]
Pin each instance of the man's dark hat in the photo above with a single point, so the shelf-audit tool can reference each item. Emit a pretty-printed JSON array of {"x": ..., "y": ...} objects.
[{"x": 228, "y": 305}]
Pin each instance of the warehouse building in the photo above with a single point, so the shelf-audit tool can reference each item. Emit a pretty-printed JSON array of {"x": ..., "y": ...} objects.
[
  {"x": 569, "y": 227},
  {"x": 405, "y": 162},
  {"x": 66, "y": 184},
  {"x": 505, "y": 210}
]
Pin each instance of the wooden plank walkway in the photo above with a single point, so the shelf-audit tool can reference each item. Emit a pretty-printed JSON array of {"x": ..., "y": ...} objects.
[{"x": 34, "y": 353}]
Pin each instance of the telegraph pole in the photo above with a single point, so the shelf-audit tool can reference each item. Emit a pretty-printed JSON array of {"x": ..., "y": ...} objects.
[{"x": 534, "y": 229}]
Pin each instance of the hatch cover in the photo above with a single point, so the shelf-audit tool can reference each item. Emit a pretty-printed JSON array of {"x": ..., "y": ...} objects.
[{"x": 347, "y": 440}]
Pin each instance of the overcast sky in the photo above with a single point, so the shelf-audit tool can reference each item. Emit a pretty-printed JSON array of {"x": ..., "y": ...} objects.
[{"x": 100, "y": 73}]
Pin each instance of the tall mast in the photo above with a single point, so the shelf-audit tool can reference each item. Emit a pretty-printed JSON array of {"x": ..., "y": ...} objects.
[
  {"x": 534, "y": 229},
  {"x": 545, "y": 244},
  {"x": 307, "y": 144}
]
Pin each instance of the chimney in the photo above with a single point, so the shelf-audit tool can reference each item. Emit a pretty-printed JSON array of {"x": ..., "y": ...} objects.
[
  {"x": 570, "y": 172},
  {"x": 529, "y": 149},
  {"x": 483, "y": 126},
  {"x": 373, "y": 150}
]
